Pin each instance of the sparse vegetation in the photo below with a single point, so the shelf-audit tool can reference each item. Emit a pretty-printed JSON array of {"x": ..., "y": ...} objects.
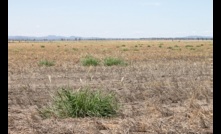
[
  {"x": 188, "y": 46},
  {"x": 42, "y": 46},
  {"x": 75, "y": 49},
  {"x": 169, "y": 48},
  {"x": 125, "y": 49},
  {"x": 46, "y": 63},
  {"x": 162, "y": 90}
]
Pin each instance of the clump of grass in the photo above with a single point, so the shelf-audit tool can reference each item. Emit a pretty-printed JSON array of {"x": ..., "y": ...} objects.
[
  {"x": 169, "y": 48},
  {"x": 192, "y": 49},
  {"x": 148, "y": 46},
  {"x": 75, "y": 49},
  {"x": 160, "y": 46},
  {"x": 176, "y": 46},
  {"x": 109, "y": 61},
  {"x": 198, "y": 46},
  {"x": 82, "y": 103},
  {"x": 125, "y": 49},
  {"x": 123, "y": 45},
  {"x": 46, "y": 63},
  {"x": 135, "y": 46},
  {"x": 42, "y": 46},
  {"x": 188, "y": 46},
  {"x": 136, "y": 49},
  {"x": 90, "y": 61},
  {"x": 58, "y": 46}
]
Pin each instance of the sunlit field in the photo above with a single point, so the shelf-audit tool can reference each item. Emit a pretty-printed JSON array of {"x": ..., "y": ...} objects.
[{"x": 161, "y": 86}]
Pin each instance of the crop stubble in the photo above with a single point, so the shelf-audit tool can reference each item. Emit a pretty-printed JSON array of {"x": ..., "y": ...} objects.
[{"x": 161, "y": 90}]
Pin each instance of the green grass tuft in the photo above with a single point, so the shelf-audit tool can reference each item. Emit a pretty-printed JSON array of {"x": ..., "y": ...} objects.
[
  {"x": 75, "y": 49},
  {"x": 125, "y": 49},
  {"x": 90, "y": 61},
  {"x": 82, "y": 103},
  {"x": 113, "y": 61},
  {"x": 46, "y": 63},
  {"x": 188, "y": 46},
  {"x": 169, "y": 48}
]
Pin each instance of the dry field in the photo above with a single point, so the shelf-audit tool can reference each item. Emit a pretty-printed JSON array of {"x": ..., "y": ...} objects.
[{"x": 167, "y": 86}]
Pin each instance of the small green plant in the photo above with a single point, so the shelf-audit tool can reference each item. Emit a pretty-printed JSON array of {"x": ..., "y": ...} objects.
[
  {"x": 109, "y": 61},
  {"x": 42, "y": 46},
  {"x": 46, "y": 63},
  {"x": 176, "y": 46},
  {"x": 188, "y": 46},
  {"x": 192, "y": 49},
  {"x": 82, "y": 103},
  {"x": 125, "y": 49},
  {"x": 136, "y": 49},
  {"x": 75, "y": 49},
  {"x": 160, "y": 46},
  {"x": 169, "y": 48},
  {"x": 90, "y": 61}
]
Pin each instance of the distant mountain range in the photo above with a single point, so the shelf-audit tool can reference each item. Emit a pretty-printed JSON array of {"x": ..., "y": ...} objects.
[
  {"x": 54, "y": 37},
  {"x": 198, "y": 37},
  {"x": 49, "y": 37}
]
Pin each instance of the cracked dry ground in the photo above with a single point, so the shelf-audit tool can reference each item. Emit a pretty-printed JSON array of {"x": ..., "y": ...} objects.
[{"x": 160, "y": 91}]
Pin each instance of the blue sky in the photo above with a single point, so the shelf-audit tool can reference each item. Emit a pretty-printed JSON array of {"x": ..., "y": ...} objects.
[{"x": 110, "y": 18}]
